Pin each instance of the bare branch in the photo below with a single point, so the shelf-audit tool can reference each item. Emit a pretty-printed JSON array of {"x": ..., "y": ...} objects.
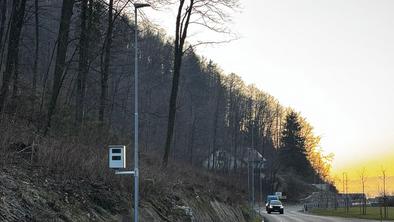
[{"x": 199, "y": 43}]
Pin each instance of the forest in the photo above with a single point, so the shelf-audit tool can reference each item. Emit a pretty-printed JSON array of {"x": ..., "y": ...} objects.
[{"x": 66, "y": 70}]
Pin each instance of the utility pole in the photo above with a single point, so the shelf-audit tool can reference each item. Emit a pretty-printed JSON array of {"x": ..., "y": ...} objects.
[
  {"x": 253, "y": 163},
  {"x": 253, "y": 184},
  {"x": 321, "y": 190},
  {"x": 248, "y": 164},
  {"x": 385, "y": 213},
  {"x": 345, "y": 191},
  {"x": 343, "y": 188},
  {"x": 136, "y": 152},
  {"x": 260, "y": 185},
  {"x": 347, "y": 198}
]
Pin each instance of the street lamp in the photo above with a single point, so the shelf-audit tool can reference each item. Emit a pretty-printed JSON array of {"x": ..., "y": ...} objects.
[{"x": 136, "y": 172}]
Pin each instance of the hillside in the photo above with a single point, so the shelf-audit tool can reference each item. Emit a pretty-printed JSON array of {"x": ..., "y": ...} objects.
[
  {"x": 33, "y": 193},
  {"x": 58, "y": 178}
]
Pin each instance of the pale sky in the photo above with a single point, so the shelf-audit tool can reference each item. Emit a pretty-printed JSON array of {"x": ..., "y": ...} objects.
[{"x": 331, "y": 60}]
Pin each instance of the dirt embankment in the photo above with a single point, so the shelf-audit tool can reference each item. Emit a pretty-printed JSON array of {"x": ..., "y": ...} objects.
[
  {"x": 33, "y": 194},
  {"x": 66, "y": 178}
]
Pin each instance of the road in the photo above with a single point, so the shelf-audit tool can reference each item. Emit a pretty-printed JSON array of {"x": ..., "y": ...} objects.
[{"x": 293, "y": 214}]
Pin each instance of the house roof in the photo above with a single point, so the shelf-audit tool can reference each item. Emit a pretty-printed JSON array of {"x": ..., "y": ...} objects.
[{"x": 252, "y": 154}]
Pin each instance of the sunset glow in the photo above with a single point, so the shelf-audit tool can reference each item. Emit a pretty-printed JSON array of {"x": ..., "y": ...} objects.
[{"x": 373, "y": 169}]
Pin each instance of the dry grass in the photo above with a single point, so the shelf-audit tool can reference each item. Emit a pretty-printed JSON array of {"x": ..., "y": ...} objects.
[
  {"x": 68, "y": 157},
  {"x": 85, "y": 157}
]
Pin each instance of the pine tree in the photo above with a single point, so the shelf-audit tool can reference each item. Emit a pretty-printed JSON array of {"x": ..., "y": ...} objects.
[{"x": 292, "y": 150}]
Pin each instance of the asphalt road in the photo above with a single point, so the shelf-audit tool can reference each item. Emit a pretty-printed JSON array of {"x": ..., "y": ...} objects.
[{"x": 293, "y": 214}]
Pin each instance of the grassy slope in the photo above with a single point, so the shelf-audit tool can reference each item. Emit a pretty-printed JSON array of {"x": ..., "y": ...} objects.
[
  {"x": 354, "y": 212},
  {"x": 67, "y": 178}
]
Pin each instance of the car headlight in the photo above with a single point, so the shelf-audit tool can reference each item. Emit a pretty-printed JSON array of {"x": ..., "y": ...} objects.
[
  {"x": 270, "y": 206},
  {"x": 281, "y": 207}
]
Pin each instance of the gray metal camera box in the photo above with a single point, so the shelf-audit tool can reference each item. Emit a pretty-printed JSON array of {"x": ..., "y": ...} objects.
[{"x": 117, "y": 156}]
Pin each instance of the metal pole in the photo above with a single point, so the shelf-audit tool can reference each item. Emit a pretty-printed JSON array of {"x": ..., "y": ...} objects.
[
  {"x": 248, "y": 163},
  {"x": 261, "y": 183},
  {"x": 343, "y": 189},
  {"x": 260, "y": 189},
  {"x": 253, "y": 163},
  {"x": 347, "y": 197},
  {"x": 253, "y": 184},
  {"x": 136, "y": 175}
]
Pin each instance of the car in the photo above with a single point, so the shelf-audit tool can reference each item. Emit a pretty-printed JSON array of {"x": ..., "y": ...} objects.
[
  {"x": 269, "y": 198},
  {"x": 275, "y": 206}
]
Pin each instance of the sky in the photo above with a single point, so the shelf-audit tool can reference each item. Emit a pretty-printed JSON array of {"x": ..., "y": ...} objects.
[{"x": 331, "y": 60}]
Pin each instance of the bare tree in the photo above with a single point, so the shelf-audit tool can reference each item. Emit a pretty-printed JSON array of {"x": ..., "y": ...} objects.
[
  {"x": 384, "y": 181},
  {"x": 83, "y": 63},
  {"x": 215, "y": 118},
  {"x": 105, "y": 61},
  {"x": 208, "y": 14},
  {"x": 363, "y": 179},
  {"x": 60, "y": 64},
  {"x": 35, "y": 65},
  {"x": 105, "y": 58},
  {"x": 3, "y": 8},
  {"x": 18, "y": 12}
]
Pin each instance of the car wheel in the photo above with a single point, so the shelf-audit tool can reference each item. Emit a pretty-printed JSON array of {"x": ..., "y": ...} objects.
[
  {"x": 281, "y": 212},
  {"x": 269, "y": 212}
]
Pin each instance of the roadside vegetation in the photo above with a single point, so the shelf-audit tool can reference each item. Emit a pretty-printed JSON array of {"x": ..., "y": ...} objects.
[
  {"x": 373, "y": 213},
  {"x": 66, "y": 94},
  {"x": 251, "y": 215},
  {"x": 66, "y": 174}
]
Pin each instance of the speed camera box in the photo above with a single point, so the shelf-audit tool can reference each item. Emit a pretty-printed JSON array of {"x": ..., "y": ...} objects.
[{"x": 117, "y": 156}]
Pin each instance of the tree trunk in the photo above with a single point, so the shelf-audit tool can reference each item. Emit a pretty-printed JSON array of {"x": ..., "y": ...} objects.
[
  {"x": 6, "y": 32},
  {"x": 45, "y": 79},
  {"x": 3, "y": 8},
  {"x": 172, "y": 110},
  {"x": 148, "y": 124},
  {"x": 231, "y": 123},
  {"x": 62, "y": 43},
  {"x": 18, "y": 11},
  {"x": 16, "y": 78},
  {"x": 215, "y": 122},
  {"x": 105, "y": 64},
  {"x": 191, "y": 141},
  {"x": 35, "y": 65},
  {"x": 83, "y": 65},
  {"x": 180, "y": 37}
]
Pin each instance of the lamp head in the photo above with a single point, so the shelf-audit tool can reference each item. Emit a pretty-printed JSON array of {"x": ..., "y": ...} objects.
[{"x": 140, "y": 5}]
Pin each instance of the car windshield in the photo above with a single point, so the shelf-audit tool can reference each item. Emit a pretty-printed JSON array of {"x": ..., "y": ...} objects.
[
  {"x": 275, "y": 202},
  {"x": 272, "y": 198}
]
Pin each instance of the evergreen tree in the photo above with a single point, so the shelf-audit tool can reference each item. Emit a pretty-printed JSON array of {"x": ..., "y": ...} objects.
[{"x": 293, "y": 153}]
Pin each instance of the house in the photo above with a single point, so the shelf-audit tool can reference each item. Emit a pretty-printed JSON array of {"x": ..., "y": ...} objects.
[
  {"x": 222, "y": 159},
  {"x": 254, "y": 158}
]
